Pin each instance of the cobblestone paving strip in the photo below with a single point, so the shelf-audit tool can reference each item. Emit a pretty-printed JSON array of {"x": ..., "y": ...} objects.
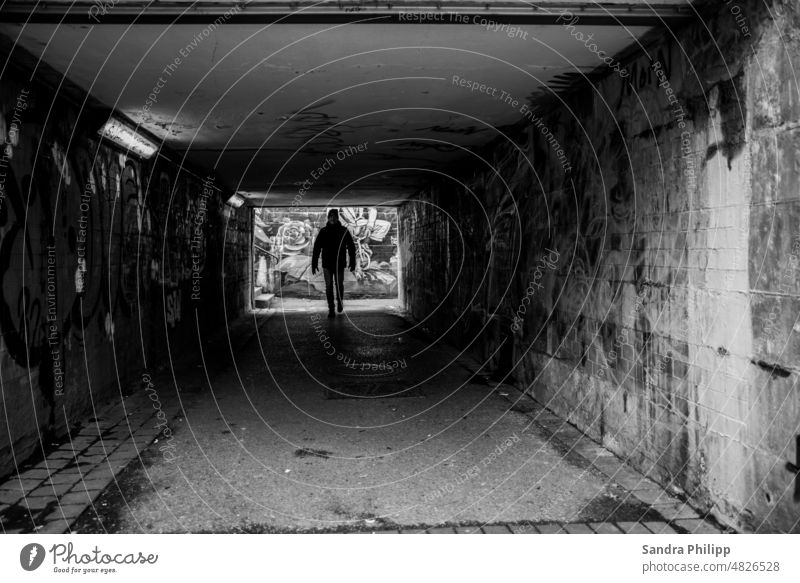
[
  {"x": 679, "y": 517},
  {"x": 49, "y": 496},
  {"x": 53, "y": 494},
  {"x": 605, "y": 528}
]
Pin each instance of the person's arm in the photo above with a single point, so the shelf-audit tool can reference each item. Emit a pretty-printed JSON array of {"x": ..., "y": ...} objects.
[
  {"x": 317, "y": 249},
  {"x": 351, "y": 250}
]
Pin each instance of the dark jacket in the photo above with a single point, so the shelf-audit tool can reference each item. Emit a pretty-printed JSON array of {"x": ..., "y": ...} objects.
[{"x": 334, "y": 241}]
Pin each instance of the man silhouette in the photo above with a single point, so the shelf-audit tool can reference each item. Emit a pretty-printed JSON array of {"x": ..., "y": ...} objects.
[{"x": 333, "y": 241}]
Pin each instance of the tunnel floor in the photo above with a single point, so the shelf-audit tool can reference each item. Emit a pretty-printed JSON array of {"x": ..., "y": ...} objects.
[{"x": 362, "y": 423}]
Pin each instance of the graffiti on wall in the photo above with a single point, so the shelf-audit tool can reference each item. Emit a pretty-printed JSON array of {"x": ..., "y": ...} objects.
[
  {"x": 86, "y": 246},
  {"x": 284, "y": 242},
  {"x": 97, "y": 254}
]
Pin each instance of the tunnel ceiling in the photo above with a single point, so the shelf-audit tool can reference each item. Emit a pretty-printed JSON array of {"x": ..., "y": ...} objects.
[{"x": 267, "y": 103}]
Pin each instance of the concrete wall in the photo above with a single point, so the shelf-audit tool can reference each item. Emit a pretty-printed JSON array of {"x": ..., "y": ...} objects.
[
  {"x": 96, "y": 264},
  {"x": 632, "y": 260}
]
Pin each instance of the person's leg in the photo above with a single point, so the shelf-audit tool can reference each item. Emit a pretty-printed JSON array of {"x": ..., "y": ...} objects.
[
  {"x": 328, "y": 273},
  {"x": 340, "y": 286}
]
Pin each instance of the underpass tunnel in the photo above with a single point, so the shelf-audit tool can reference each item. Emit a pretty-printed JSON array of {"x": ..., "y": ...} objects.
[{"x": 571, "y": 305}]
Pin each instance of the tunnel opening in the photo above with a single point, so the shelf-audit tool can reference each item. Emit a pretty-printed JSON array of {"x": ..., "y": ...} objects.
[{"x": 282, "y": 254}]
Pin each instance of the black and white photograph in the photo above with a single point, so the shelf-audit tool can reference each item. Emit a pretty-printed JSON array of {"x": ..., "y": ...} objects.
[{"x": 277, "y": 272}]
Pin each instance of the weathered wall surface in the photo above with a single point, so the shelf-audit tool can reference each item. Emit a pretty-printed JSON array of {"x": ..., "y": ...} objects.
[
  {"x": 99, "y": 261},
  {"x": 648, "y": 289}
]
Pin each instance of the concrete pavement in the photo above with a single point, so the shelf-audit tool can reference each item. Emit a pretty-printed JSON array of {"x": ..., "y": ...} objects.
[{"x": 358, "y": 424}]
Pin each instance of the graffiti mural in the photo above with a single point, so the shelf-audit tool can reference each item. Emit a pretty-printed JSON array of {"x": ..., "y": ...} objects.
[{"x": 284, "y": 241}]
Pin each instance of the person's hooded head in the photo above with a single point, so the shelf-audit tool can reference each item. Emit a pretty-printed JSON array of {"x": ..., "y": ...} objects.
[{"x": 333, "y": 217}]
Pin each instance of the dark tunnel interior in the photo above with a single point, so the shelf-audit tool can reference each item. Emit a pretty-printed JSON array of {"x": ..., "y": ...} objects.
[{"x": 568, "y": 243}]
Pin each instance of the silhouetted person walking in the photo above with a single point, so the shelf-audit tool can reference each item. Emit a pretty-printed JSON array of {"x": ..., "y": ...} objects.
[{"x": 333, "y": 241}]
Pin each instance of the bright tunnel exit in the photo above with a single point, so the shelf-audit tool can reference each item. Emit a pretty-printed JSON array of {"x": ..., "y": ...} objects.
[{"x": 283, "y": 242}]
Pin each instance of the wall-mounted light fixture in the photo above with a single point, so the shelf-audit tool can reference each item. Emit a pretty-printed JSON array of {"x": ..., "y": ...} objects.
[
  {"x": 235, "y": 201},
  {"x": 125, "y": 136}
]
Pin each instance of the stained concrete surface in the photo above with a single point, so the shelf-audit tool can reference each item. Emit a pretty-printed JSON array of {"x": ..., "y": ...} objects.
[{"x": 261, "y": 446}]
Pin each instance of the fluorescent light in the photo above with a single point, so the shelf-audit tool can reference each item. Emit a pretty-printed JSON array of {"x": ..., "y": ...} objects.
[
  {"x": 235, "y": 201},
  {"x": 128, "y": 138}
]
